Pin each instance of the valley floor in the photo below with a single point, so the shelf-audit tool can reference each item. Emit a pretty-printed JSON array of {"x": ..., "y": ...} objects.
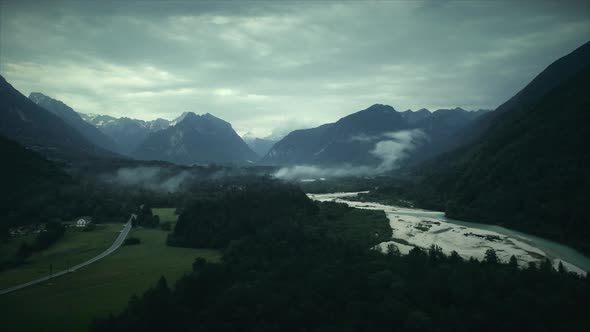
[{"x": 70, "y": 302}]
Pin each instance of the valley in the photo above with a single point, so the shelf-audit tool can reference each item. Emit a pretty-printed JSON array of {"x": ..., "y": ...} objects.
[{"x": 294, "y": 166}]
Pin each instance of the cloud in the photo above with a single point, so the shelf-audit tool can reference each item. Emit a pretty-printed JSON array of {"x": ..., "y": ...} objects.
[
  {"x": 396, "y": 148},
  {"x": 259, "y": 64},
  {"x": 151, "y": 178},
  {"x": 391, "y": 148}
]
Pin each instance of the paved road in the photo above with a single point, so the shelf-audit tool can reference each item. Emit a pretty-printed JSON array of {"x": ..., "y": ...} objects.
[{"x": 118, "y": 241}]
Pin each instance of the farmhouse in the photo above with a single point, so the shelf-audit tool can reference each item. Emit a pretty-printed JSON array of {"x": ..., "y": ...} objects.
[{"x": 83, "y": 221}]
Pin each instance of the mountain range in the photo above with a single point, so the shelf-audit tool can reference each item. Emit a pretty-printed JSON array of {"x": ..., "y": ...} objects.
[
  {"x": 188, "y": 139},
  {"x": 192, "y": 139},
  {"x": 126, "y": 132},
  {"x": 352, "y": 140}
]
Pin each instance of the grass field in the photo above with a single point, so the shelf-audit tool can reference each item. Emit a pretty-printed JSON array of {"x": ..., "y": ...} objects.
[
  {"x": 75, "y": 247},
  {"x": 69, "y": 303}
]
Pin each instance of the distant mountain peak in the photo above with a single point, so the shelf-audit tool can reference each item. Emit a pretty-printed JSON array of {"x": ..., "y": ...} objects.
[
  {"x": 179, "y": 119},
  {"x": 44, "y": 100},
  {"x": 189, "y": 116},
  {"x": 195, "y": 139},
  {"x": 381, "y": 108},
  {"x": 38, "y": 97},
  {"x": 206, "y": 119}
]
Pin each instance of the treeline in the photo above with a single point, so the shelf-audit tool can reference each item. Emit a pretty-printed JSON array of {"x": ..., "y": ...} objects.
[
  {"x": 36, "y": 190},
  {"x": 46, "y": 237},
  {"x": 301, "y": 276},
  {"x": 228, "y": 210},
  {"x": 231, "y": 210},
  {"x": 145, "y": 218}
]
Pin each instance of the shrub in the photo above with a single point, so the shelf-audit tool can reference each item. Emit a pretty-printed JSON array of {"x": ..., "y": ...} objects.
[{"x": 131, "y": 241}]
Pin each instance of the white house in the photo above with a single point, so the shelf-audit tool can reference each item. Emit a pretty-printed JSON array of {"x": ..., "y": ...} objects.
[{"x": 83, "y": 221}]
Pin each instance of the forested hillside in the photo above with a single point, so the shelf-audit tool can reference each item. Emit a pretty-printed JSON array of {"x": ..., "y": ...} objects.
[
  {"x": 529, "y": 171},
  {"x": 532, "y": 170}
]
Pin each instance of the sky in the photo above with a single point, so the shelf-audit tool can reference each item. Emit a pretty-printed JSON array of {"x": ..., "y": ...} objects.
[{"x": 271, "y": 67}]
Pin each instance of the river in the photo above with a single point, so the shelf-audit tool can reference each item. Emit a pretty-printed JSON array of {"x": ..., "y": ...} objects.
[{"x": 422, "y": 228}]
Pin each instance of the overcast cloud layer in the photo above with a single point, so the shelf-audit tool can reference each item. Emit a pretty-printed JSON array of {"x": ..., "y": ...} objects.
[{"x": 262, "y": 65}]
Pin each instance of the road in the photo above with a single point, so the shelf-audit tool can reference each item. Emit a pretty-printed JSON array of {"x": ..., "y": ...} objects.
[{"x": 118, "y": 241}]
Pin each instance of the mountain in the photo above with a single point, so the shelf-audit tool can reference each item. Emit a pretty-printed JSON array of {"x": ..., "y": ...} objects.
[
  {"x": 442, "y": 127},
  {"x": 33, "y": 126},
  {"x": 196, "y": 139},
  {"x": 413, "y": 117},
  {"x": 529, "y": 170},
  {"x": 177, "y": 120},
  {"x": 553, "y": 76},
  {"x": 337, "y": 143},
  {"x": 260, "y": 146},
  {"x": 72, "y": 118},
  {"x": 353, "y": 139},
  {"x": 127, "y": 133},
  {"x": 23, "y": 175}
]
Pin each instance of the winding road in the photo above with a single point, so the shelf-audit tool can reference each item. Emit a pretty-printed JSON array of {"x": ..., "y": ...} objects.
[{"x": 118, "y": 241}]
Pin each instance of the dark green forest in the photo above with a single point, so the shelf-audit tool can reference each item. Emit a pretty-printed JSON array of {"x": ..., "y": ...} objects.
[{"x": 316, "y": 272}]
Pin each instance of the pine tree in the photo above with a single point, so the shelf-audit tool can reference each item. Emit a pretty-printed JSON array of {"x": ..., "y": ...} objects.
[
  {"x": 393, "y": 250},
  {"x": 546, "y": 265},
  {"x": 513, "y": 263},
  {"x": 561, "y": 268},
  {"x": 491, "y": 257}
]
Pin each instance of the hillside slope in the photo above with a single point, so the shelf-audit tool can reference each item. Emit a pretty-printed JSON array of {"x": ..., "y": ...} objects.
[
  {"x": 23, "y": 121},
  {"x": 531, "y": 170},
  {"x": 72, "y": 118}
]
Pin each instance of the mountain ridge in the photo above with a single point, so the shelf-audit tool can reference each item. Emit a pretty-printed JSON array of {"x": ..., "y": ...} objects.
[
  {"x": 35, "y": 127},
  {"x": 71, "y": 117},
  {"x": 351, "y": 139},
  {"x": 196, "y": 139}
]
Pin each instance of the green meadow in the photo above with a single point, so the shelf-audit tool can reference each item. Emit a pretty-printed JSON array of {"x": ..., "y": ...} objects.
[{"x": 69, "y": 303}]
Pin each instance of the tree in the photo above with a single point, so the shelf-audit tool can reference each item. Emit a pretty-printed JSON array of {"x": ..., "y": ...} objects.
[
  {"x": 491, "y": 257},
  {"x": 435, "y": 252},
  {"x": 561, "y": 268},
  {"x": 393, "y": 250},
  {"x": 513, "y": 263},
  {"x": 546, "y": 265},
  {"x": 455, "y": 257},
  {"x": 532, "y": 266},
  {"x": 166, "y": 226},
  {"x": 199, "y": 263},
  {"x": 131, "y": 241},
  {"x": 4, "y": 233},
  {"x": 162, "y": 285},
  {"x": 24, "y": 251}
]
